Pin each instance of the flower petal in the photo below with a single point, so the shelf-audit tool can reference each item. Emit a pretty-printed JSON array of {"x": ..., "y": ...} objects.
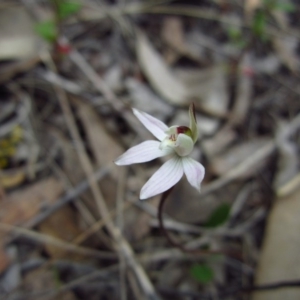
[
  {"x": 194, "y": 171},
  {"x": 163, "y": 179},
  {"x": 193, "y": 122},
  {"x": 183, "y": 145},
  {"x": 143, "y": 152},
  {"x": 155, "y": 126}
]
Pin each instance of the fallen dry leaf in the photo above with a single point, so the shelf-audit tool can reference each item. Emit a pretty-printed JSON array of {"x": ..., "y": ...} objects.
[
  {"x": 159, "y": 74},
  {"x": 286, "y": 48},
  {"x": 219, "y": 142},
  {"x": 235, "y": 155},
  {"x": 244, "y": 86},
  {"x": 22, "y": 205},
  {"x": 287, "y": 165},
  {"x": 103, "y": 146},
  {"x": 63, "y": 225},
  {"x": 280, "y": 257},
  {"x": 143, "y": 98},
  {"x": 173, "y": 34},
  {"x": 105, "y": 150},
  {"x": 207, "y": 88},
  {"x": 17, "y": 37}
]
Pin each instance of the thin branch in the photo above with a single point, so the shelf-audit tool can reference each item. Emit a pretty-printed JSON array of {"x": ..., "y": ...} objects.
[
  {"x": 121, "y": 243},
  {"x": 70, "y": 195},
  {"x": 46, "y": 239}
]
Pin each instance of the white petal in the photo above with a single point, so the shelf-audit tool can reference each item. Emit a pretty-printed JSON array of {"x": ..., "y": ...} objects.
[
  {"x": 194, "y": 171},
  {"x": 143, "y": 152},
  {"x": 163, "y": 179},
  {"x": 155, "y": 126},
  {"x": 184, "y": 145}
]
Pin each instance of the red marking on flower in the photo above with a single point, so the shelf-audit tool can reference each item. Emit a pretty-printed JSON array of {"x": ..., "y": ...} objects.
[
  {"x": 248, "y": 71},
  {"x": 182, "y": 129},
  {"x": 64, "y": 49}
]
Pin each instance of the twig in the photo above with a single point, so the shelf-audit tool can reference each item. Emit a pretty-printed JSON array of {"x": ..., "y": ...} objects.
[
  {"x": 273, "y": 286},
  {"x": 289, "y": 187},
  {"x": 119, "y": 222},
  {"x": 87, "y": 216},
  {"x": 110, "y": 97},
  {"x": 252, "y": 160},
  {"x": 46, "y": 239},
  {"x": 22, "y": 113},
  {"x": 81, "y": 280},
  {"x": 70, "y": 196},
  {"x": 121, "y": 243}
]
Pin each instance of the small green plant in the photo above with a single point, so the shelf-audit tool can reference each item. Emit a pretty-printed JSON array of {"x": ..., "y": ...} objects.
[
  {"x": 259, "y": 24},
  {"x": 236, "y": 37},
  {"x": 68, "y": 8},
  {"x": 219, "y": 216},
  {"x": 202, "y": 273},
  {"x": 49, "y": 30},
  {"x": 262, "y": 16}
]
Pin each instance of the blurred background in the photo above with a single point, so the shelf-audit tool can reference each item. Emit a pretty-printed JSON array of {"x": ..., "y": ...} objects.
[{"x": 72, "y": 226}]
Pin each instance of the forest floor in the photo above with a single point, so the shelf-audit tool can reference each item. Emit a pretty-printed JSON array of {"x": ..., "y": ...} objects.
[{"x": 72, "y": 225}]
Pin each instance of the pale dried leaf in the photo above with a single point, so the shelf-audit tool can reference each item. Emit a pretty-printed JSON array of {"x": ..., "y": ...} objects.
[
  {"x": 22, "y": 205},
  {"x": 290, "y": 187},
  {"x": 143, "y": 98},
  {"x": 63, "y": 224},
  {"x": 280, "y": 257},
  {"x": 287, "y": 166},
  {"x": 104, "y": 147},
  {"x": 281, "y": 18},
  {"x": 242, "y": 100},
  {"x": 17, "y": 37},
  {"x": 216, "y": 144},
  {"x": 235, "y": 156},
  {"x": 208, "y": 87},
  {"x": 113, "y": 78},
  {"x": 250, "y": 6},
  {"x": 268, "y": 64},
  {"x": 286, "y": 48},
  {"x": 159, "y": 74},
  {"x": 172, "y": 33}
]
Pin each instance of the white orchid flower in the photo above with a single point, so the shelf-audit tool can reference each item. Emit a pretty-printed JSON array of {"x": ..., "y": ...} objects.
[{"x": 177, "y": 141}]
